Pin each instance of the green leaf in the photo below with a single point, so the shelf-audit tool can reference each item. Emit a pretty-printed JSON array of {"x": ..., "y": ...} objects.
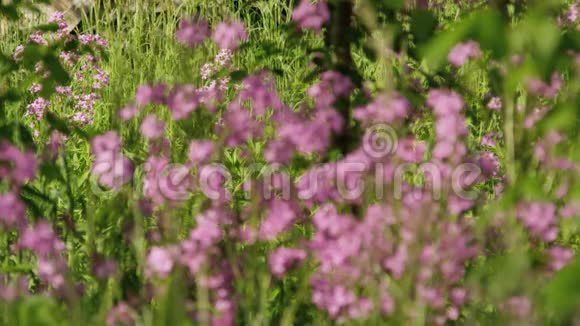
[
  {"x": 32, "y": 54},
  {"x": 277, "y": 71},
  {"x": 6, "y": 132},
  {"x": 57, "y": 123},
  {"x": 391, "y": 4},
  {"x": 29, "y": 191},
  {"x": 40, "y": 311},
  {"x": 11, "y": 95},
  {"x": 562, "y": 294},
  {"x": 51, "y": 171},
  {"x": 17, "y": 133},
  {"x": 83, "y": 179},
  {"x": 36, "y": 212},
  {"x": 501, "y": 275},
  {"x": 7, "y": 63},
  {"x": 81, "y": 133},
  {"x": 540, "y": 39},
  {"x": 423, "y": 24},
  {"x": 370, "y": 52},
  {"x": 487, "y": 27},
  {"x": 238, "y": 75},
  {"x": 545, "y": 43},
  {"x": 57, "y": 72},
  {"x": 25, "y": 136},
  {"x": 50, "y": 27},
  {"x": 62, "y": 126},
  {"x": 570, "y": 41},
  {"x": 9, "y": 11},
  {"x": 563, "y": 117},
  {"x": 530, "y": 187},
  {"x": 546, "y": 38},
  {"x": 436, "y": 51}
]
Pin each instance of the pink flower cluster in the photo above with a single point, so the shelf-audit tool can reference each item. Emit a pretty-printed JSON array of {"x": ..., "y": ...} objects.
[
  {"x": 545, "y": 153},
  {"x": 44, "y": 243},
  {"x": 309, "y": 132},
  {"x": 541, "y": 88},
  {"x": 200, "y": 254},
  {"x": 12, "y": 210},
  {"x": 449, "y": 125},
  {"x": 404, "y": 254},
  {"x": 165, "y": 183},
  {"x": 356, "y": 246},
  {"x": 311, "y": 16},
  {"x": 16, "y": 167},
  {"x": 354, "y": 254},
  {"x": 383, "y": 109},
  {"x": 110, "y": 167},
  {"x": 570, "y": 16},
  {"x": 283, "y": 259},
  {"x": 182, "y": 100},
  {"x": 542, "y": 222},
  {"x": 280, "y": 217},
  {"x": 332, "y": 85},
  {"x": 212, "y": 93},
  {"x": 192, "y": 32},
  {"x": 227, "y": 35},
  {"x": 462, "y": 52},
  {"x": 495, "y": 104},
  {"x": 89, "y": 77},
  {"x": 121, "y": 313},
  {"x": 9, "y": 291}
]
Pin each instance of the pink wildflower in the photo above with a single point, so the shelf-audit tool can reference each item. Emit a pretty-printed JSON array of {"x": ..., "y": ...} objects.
[
  {"x": 192, "y": 32},
  {"x": 311, "y": 16},
  {"x": 229, "y": 35}
]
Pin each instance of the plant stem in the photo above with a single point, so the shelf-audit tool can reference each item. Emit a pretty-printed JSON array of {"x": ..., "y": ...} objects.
[
  {"x": 340, "y": 42},
  {"x": 510, "y": 137}
]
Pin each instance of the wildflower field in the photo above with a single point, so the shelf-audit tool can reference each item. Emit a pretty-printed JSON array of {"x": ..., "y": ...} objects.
[{"x": 290, "y": 162}]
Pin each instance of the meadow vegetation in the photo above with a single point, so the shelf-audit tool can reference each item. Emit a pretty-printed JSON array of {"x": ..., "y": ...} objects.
[{"x": 265, "y": 162}]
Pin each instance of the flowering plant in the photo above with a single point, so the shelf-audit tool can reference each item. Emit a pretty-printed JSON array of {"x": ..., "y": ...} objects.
[{"x": 411, "y": 197}]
